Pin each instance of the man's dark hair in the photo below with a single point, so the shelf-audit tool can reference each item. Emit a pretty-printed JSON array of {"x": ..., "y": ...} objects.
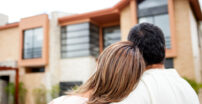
[{"x": 150, "y": 41}]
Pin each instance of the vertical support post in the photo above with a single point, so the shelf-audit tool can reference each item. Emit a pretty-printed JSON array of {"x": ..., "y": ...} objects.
[
  {"x": 173, "y": 51},
  {"x": 16, "y": 86},
  {"x": 133, "y": 10},
  {"x": 101, "y": 40}
]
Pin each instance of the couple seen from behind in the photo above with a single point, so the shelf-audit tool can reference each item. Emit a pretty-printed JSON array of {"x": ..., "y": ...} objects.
[{"x": 132, "y": 72}]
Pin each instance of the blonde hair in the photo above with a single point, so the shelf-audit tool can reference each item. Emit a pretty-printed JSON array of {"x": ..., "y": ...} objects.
[{"x": 119, "y": 68}]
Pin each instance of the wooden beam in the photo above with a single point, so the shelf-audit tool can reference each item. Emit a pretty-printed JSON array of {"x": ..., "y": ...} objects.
[
  {"x": 7, "y": 26},
  {"x": 101, "y": 40},
  {"x": 133, "y": 11},
  {"x": 16, "y": 86},
  {"x": 195, "y": 4},
  {"x": 173, "y": 51}
]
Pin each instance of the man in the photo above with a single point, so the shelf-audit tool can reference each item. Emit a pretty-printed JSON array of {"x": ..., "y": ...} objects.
[{"x": 157, "y": 85}]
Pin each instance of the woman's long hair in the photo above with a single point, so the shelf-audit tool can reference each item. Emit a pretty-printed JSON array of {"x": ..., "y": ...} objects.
[{"x": 119, "y": 69}]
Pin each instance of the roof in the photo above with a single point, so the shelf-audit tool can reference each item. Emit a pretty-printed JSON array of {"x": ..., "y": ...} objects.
[
  {"x": 11, "y": 25},
  {"x": 115, "y": 9},
  {"x": 194, "y": 4},
  {"x": 196, "y": 8}
]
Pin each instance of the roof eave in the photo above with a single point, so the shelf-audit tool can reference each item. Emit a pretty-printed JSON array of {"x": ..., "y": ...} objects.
[
  {"x": 11, "y": 25},
  {"x": 196, "y": 9},
  {"x": 114, "y": 9}
]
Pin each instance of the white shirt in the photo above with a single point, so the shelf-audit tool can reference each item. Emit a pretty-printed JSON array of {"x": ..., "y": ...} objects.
[
  {"x": 69, "y": 100},
  {"x": 162, "y": 86},
  {"x": 157, "y": 86}
]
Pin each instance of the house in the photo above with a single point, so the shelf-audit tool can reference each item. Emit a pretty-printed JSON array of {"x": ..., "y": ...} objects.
[{"x": 63, "y": 49}]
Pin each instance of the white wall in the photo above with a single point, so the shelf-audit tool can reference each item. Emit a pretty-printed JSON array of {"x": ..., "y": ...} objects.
[
  {"x": 65, "y": 69},
  {"x": 77, "y": 69},
  {"x": 195, "y": 46},
  {"x": 53, "y": 69}
]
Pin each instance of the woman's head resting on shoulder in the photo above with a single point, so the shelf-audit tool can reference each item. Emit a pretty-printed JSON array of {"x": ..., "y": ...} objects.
[{"x": 119, "y": 68}]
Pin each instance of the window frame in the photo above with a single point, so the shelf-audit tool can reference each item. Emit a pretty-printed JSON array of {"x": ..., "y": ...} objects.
[
  {"x": 104, "y": 34},
  {"x": 29, "y": 23},
  {"x": 101, "y": 34},
  {"x": 87, "y": 49},
  {"x": 33, "y": 36},
  {"x": 171, "y": 52}
]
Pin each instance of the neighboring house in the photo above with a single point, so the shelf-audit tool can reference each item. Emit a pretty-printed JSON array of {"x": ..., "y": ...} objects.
[{"x": 63, "y": 49}]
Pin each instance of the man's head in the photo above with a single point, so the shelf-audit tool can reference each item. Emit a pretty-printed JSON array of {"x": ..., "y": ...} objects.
[{"x": 150, "y": 41}]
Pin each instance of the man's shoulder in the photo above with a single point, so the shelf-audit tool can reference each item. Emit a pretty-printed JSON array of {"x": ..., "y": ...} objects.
[
  {"x": 139, "y": 95},
  {"x": 158, "y": 73}
]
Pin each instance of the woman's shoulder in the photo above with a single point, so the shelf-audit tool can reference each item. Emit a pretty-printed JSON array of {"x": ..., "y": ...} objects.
[{"x": 69, "y": 100}]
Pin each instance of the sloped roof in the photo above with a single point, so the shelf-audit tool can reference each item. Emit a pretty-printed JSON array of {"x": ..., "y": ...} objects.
[
  {"x": 11, "y": 25},
  {"x": 196, "y": 8},
  {"x": 194, "y": 4},
  {"x": 114, "y": 9}
]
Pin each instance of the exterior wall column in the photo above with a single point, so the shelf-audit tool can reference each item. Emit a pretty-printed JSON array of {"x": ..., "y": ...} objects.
[
  {"x": 128, "y": 18},
  {"x": 184, "y": 61}
]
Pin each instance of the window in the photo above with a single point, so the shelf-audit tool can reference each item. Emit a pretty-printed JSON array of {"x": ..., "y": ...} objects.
[
  {"x": 111, "y": 35},
  {"x": 5, "y": 78},
  {"x": 169, "y": 63},
  {"x": 35, "y": 70},
  {"x": 156, "y": 12},
  {"x": 33, "y": 41},
  {"x": 79, "y": 40}
]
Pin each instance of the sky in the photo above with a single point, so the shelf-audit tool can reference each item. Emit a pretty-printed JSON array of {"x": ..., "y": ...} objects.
[{"x": 17, "y": 9}]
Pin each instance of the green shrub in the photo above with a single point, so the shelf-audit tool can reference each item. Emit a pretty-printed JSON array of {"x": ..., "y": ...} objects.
[
  {"x": 195, "y": 85},
  {"x": 10, "y": 90},
  {"x": 55, "y": 90},
  {"x": 39, "y": 95},
  {"x": 75, "y": 88}
]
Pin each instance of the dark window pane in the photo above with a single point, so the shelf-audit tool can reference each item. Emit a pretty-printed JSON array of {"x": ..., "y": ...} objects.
[
  {"x": 94, "y": 40},
  {"x": 75, "y": 47},
  {"x": 151, "y": 3},
  {"x": 169, "y": 63},
  {"x": 27, "y": 53},
  {"x": 77, "y": 40},
  {"x": 28, "y": 35},
  {"x": 146, "y": 19},
  {"x": 38, "y": 37},
  {"x": 156, "y": 12},
  {"x": 76, "y": 27},
  {"x": 37, "y": 52},
  {"x": 33, "y": 41},
  {"x": 35, "y": 70},
  {"x": 75, "y": 34},
  {"x": 153, "y": 11},
  {"x": 66, "y": 54},
  {"x": 111, "y": 35},
  {"x": 162, "y": 21}
]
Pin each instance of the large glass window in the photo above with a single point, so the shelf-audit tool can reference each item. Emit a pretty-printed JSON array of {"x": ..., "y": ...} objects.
[
  {"x": 156, "y": 12},
  {"x": 111, "y": 35},
  {"x": 33, "y": 41},
  {"x": 79, "y": 40}
]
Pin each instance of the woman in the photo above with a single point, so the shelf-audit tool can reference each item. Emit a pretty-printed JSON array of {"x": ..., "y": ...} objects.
[{"x": 119, "y": 69}]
